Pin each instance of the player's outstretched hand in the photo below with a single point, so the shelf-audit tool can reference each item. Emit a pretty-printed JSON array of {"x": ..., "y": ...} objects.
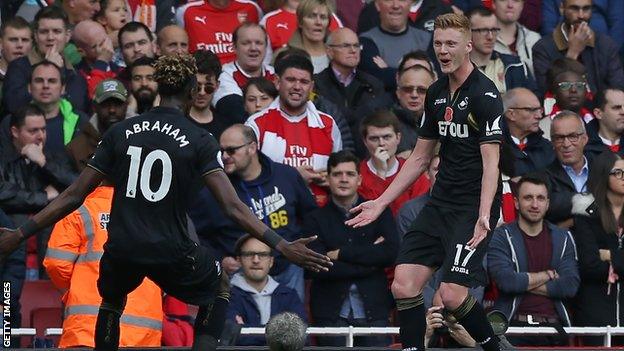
[
  {"x": 368, "y": 212},
  {"x": 9, "y": 241},
  {"x": 481, "y": 229},
  {"x": 297, "y": 252}
]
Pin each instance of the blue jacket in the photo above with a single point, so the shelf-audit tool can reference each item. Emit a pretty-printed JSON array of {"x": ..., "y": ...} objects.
[
  {"x": 606, "y": 18},
  {"x": 507, "y": 265},
  {"x": 279, "y": 197},
  {"x": 283, "y": 299},
  {"x": 517, "y": 74},
  {"x": 536, "y": 156}
]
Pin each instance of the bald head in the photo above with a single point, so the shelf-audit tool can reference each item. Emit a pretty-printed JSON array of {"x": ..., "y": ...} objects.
[
  {"x": 172, "y": 40},
  {"x": 343, "y": 49},
  {"x": 522, "y": 112},
  {"x": 88, "y": 36}
]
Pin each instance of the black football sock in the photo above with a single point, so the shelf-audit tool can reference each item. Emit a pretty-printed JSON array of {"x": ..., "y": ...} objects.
[
  {"x": 472, "y": 317},
  {"x": 209, "y": 324},
  {"x": 412, "y": 320},
  {"x": 107, "y": 326}
]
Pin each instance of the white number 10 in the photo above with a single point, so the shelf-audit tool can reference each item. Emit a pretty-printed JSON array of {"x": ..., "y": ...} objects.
[{"x": 146, "y": 174}]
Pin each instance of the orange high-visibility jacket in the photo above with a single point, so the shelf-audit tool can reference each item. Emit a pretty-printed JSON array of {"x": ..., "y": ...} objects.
[{"x": 73, "y": 264}]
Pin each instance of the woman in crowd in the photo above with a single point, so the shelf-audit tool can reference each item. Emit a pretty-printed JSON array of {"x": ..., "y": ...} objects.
[
  {"x": 598, "y": 229},
  {"x": 258, "y": 94}
]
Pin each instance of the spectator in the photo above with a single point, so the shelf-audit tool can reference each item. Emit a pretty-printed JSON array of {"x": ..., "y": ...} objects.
[
  {"x": 210, "y": 24},
  {"x": 533, "y": 264},
  {"x": 73, "y": 264},
  {"x": 201, "y": 112},
  {"x": 135, "y": 41},
  {"x": 506, "y": 71},
  {"x": 286, "y": 332},
  {"x": 385, "y": 45},
  {"x": 410, "y": 210},
  {"x": 413, "y": 58},
  {"x": 15, "y": 40},
  {"x": 514, "y": 38},
  {"x": 113, "y": 15},
  {"x": 282, "y": 23},
  {"x": 357, "y": 93},
  {"x": 172, "y": 40},
  {"x": 63, "y": 121},
  {"x": 381, "y": 134},
  {"x": 573, "y": 38},
  {"x": 143, "y": 86},
  {"x": 355, "y": 290},
  {"x": 531, "y": 151},
  {"x": 292, "y": 131},
  {"x": 421, "y": 15},
  {"x": 110, "y": 103},
  {"x": 598, "y": 231},
  {"x": 312, "y": 28},
  {"x": 322, "y": 103},
  {"x": 559, "y": 66},
  {"x": 607, "y": 129},
  {"x": 570, "y": 93},
  {"x": 250, "y": 45},
  {"x": 604, "y": 17},
  {"x": 96, "y": 50},
  {"x": 30, "y": 176},
  {"x": 51, "y": 33},
  {"x": 79, "y": 10},
  {"x": 409, "y": 107},
  {"x": 568, "y": 174},
  {"x": 274, "y": 192},
  {"x": 255, "y": 295},
  {"x": 258, "y": 94}
]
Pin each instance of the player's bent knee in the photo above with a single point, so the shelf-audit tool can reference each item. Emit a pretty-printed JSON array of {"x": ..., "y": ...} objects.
[
  {"x": 404, "y": 288},
  {"x": 452, "y": 295}
]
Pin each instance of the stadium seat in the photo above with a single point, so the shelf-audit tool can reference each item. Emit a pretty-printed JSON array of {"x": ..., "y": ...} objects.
[{"x": 39, "y": 298}]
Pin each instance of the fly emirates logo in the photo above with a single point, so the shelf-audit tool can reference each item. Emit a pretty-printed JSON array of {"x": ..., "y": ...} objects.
[
  {"x": 223, "y": 44},
  {"x": 298, "y": 155}
]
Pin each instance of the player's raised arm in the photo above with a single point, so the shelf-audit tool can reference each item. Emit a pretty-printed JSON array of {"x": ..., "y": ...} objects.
[
  {"x": 64, "y": 204},
  {"x": 295, "y": 251},
  {"x": 414, "y": 166}
]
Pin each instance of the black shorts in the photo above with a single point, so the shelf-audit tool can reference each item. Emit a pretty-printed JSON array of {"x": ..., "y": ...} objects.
[
  {"x": 194, "y": 279},
  {"x": 438, "y": 238}
]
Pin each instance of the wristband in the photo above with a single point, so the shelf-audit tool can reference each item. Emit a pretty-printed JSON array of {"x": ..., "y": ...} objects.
[
  {"x": 271, "y": 238},
  {"x": 28, "y": 229}
]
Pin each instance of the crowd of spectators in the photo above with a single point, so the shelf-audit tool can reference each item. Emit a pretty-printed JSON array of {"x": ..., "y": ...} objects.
[{"x": 316, "y": 105}]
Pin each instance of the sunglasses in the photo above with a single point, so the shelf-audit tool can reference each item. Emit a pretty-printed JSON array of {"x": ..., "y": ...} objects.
[
  {"x": 408, "y": 89},
  {"x": 231, "y": 150}
]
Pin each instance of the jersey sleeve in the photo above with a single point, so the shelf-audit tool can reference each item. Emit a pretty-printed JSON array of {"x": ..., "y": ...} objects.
[
  {"x": 487, "y": 109},
  {"x": 428, "y": 128},
  {"x": 104, "y": 158},
  {"x": 209, "y": 155}
]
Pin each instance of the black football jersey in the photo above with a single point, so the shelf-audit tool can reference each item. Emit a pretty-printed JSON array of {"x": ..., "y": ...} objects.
[
  {"x": 462, "y": 122},
  {"x": 156, "y": 162}
]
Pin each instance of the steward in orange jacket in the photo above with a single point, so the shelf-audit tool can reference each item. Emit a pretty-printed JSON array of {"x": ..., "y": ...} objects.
[{"x": 73, "y": 264}]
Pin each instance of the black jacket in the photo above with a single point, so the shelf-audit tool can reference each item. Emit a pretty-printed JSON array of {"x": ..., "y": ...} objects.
[
  {"x": 536, "y": 156},
  {"x": 362, "y": 97},
  {"x": 22, "y": 183},
  {"x": 360, "y": 262},
  {"x": 593, "y": 306},
  {"x": 410, "y": 127},
  {"x": 561, "y": 191},
  {"x": 595, "y": 146}
]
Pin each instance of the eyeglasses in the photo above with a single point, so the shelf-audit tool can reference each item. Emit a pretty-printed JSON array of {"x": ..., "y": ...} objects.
[
  {"x": 347, "y": 46},
  {"x": 569, "y": 85},
  {"x": 618, "y": 173},
  {"x": 207, "y": 88},
  {"x": 408, "y": 89},
  {"x": 486, "y": 31},
  {"x": 262, "y": 255},
  {"x": 533, "y": 110},
  {"x": 231, "y": 150},
  {"x": 573, "y": 138}
]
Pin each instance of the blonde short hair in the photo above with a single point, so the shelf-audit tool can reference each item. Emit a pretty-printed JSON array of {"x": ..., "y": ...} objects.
[
  {"x": 306, "y": 7},
  {"x": 452, "y": 21}
]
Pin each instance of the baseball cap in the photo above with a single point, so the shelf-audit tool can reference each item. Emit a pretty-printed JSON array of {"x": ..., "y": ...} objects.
[{"x": 110, "y": 88}]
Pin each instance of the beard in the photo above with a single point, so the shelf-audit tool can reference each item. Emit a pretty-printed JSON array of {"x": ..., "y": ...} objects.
[{"x": 145, "y": 99}]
